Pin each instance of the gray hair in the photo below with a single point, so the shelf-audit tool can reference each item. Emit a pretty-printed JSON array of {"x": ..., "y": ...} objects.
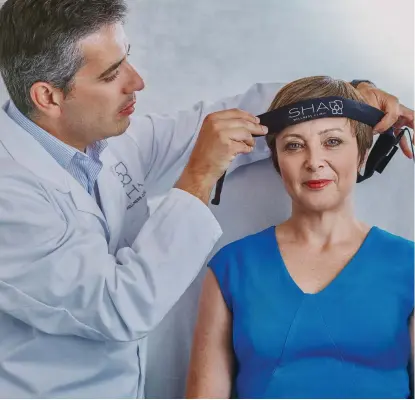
[{"x": 39, "y": 42}]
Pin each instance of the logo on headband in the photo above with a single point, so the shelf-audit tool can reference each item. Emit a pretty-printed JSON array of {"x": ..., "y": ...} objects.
[
  {"x": 320, "y": 109},
  {"x": 336, "y": 106}
]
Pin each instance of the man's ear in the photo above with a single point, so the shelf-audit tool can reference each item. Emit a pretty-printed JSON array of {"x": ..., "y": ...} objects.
[{"x": 47, "y": 99}]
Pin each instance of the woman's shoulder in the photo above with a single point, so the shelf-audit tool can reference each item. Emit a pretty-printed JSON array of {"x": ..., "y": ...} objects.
[
  {"x": 245, "y": 246},
  {"x": 392, "y": 257},
  {"x": 235, "y": 260},
  {"x": 390, "y": 249},
  {"x": 388, "y": 241}
]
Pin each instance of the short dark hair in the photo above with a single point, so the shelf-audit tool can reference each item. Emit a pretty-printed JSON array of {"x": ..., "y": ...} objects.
[{"x": 39, "y": 42}]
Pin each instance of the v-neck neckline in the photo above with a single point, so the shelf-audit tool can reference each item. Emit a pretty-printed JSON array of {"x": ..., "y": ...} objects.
[{"x": 334, "y": 282}]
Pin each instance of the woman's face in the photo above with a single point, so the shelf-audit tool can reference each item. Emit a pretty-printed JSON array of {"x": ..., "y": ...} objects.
[{"x": 319, "y": 162}]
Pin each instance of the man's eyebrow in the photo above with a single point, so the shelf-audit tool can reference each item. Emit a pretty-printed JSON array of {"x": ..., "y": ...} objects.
[{"x": 114, "y": 66}]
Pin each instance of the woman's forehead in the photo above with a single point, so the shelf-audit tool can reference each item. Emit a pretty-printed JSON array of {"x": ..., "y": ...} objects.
[{"x": 318, "y": 126}]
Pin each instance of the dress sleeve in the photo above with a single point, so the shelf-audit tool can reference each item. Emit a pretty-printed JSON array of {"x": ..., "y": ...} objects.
[{"x": 220, "y": 265}]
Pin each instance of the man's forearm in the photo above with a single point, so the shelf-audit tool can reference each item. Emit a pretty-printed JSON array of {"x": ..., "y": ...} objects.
[{"x": 197, "y": 185}]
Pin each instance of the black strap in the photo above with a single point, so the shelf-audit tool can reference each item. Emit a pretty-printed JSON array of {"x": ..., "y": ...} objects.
[{"x": 325, "y": 107}]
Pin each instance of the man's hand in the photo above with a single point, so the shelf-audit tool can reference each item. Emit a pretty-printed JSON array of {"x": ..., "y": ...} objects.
[
  {"x": 397, "y": 115},
  {"x": 224, "y": 135}
]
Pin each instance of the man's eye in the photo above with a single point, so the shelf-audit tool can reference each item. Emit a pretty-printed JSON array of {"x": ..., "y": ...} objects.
[
  {"x": 112, "y": 77},
  {"x": 333, "y": 142}
]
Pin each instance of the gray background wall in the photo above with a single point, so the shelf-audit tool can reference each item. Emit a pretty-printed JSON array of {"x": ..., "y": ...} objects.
[{"x": 188, "y": 50}]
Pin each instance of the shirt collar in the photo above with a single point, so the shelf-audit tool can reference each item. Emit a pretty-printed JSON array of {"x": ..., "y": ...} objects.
[
  {"x": 97, "y": 148},
  {"x": 59, "y": 150}
]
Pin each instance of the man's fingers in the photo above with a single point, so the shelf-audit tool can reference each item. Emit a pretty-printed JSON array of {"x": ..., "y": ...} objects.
[
  {"x": 392, "y": 110},
  {"x": 240, "y": 135},
  {"x": 406, "y": 116},
  {"x": 397, "y": 115},
  {"x": 252, "y": 128},
  {"x": 406, "y": 119},
  {"x": 399, "y": 124},
  {"x": 233, "y": 113},
  {"x": 403, "y": 144},
  {"x": 241, "y": 148}
]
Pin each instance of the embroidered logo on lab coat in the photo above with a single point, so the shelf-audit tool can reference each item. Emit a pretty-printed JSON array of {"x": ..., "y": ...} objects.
[{"x": 134, "y": 191}]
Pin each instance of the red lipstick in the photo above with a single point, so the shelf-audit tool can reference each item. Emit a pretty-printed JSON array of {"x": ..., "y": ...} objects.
[{"x": 318, "y": 184}]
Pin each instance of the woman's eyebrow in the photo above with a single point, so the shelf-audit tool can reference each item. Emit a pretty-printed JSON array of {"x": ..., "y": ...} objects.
[
  {"x": 298, "y": 135},
  {"x": 287, "y": 135},
  {"x": 330, "y": 130}
]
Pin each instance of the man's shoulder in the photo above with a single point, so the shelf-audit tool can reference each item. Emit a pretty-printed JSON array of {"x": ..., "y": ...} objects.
[
  {"x": 18, "y": 181},
  {"x": 12, "y": 169}
]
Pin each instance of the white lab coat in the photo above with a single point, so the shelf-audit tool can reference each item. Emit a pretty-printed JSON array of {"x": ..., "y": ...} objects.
[{"x": 80, "y": 288}]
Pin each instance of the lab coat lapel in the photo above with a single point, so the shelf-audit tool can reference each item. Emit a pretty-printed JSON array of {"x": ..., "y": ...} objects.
[
  {"x": 28, "y": 152},
  {"x": 113, "y": 198},
  {"x": 84, "y": 202}
]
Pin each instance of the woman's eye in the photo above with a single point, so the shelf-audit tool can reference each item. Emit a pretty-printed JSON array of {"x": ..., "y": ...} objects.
[
  {"x": 333, "y": 142},
  {"x": 293, "y": 146},
  {"x": 112, "y": 77}
]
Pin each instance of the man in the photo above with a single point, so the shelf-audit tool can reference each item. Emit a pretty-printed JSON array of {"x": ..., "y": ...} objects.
[{"x": 85, "y": 272}]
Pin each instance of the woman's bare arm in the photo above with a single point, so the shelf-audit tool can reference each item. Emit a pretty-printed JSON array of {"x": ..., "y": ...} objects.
[
  {"x": 211, "y": 363},
  {"x": 411, "y": 362}
]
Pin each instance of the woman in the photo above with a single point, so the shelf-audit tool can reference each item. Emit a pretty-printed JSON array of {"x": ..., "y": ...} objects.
[{"x": 320, "y": 306}]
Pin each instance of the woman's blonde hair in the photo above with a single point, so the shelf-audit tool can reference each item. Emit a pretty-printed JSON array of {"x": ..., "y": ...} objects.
[{"x": 321, "y": 86}]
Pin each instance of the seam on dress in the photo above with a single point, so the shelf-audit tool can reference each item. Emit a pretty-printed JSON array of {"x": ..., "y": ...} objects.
[
  {"x": 274, "y": 371},
  {"x": 334, "y": 343}
]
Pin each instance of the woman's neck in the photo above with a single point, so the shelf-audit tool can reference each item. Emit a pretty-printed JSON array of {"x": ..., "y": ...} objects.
[{"x": 322, "y": 229}]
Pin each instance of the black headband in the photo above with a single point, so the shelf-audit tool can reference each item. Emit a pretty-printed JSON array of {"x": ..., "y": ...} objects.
[
  {"x": 329, "y": 107},
  {"x": 325, "y": 107}
]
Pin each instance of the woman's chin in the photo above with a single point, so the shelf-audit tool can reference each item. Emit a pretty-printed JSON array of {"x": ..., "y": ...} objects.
[{"x": 319, "y": 205}]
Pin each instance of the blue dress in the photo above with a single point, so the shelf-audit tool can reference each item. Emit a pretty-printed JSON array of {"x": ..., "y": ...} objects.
[{"x": 350, "y": 340}]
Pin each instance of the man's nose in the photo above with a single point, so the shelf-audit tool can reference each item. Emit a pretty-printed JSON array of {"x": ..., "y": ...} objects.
[{"x": 135, "y": 83}]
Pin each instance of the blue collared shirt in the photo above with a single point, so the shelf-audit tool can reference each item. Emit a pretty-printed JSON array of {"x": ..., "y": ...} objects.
[{"x": 84, "y": 167}]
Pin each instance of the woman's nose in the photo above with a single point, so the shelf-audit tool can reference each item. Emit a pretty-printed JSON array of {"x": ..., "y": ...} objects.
[{"x": 315, "y": 159}]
